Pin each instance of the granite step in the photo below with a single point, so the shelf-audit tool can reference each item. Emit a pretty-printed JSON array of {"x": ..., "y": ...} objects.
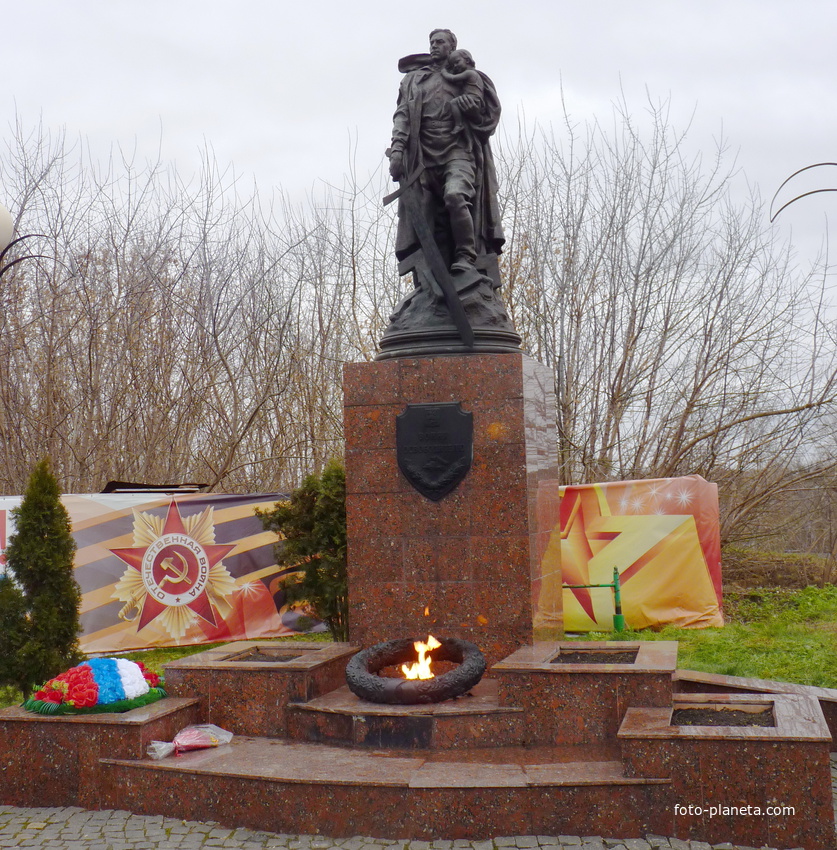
[
  {"x": 693, "y": 681},
  {"x": 284, "y": 786},
  {"x": 54, "y": 759},
  {"x": 474, "y": 720}
]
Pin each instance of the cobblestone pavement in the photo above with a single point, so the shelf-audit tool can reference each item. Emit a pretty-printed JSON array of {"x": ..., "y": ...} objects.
[{"x": 79, "y": 829}]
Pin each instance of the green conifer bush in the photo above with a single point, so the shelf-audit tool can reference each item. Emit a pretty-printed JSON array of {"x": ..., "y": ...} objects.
[
  {"x": 13, "y": 632},
  {"x": 313, "y": 524},
  {"x": 39, "y": 559}
]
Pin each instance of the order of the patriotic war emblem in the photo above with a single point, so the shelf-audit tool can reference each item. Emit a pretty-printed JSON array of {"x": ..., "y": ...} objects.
[{"x": 435, "y": 446}]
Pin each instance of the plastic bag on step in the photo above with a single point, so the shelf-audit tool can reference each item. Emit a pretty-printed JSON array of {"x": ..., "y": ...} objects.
[
  {"x": 199, "y": 737},
  {"x": 159, "y": 749}
]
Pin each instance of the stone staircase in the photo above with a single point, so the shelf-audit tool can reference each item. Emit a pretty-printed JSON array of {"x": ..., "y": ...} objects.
[
  {"x": 290, "y": 786},
  {"x": 540, "y": 747}
]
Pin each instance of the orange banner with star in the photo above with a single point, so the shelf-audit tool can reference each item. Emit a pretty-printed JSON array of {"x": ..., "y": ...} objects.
[
  {"x": 157, "y": 570},
  {"x": 662, "y": 535}
]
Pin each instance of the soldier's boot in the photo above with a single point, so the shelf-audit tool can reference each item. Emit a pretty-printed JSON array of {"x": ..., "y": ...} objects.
[{"x": 462, "y": 229}]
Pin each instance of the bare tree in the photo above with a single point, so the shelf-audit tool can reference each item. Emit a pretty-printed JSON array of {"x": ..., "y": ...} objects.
[
  {"x": 681, "y": 338},
  {"x": 162, "y": 337},
  {"x": 175, "y": 330}
]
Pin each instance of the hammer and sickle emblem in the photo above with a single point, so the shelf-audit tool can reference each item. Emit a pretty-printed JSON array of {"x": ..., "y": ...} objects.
[{"x": 180, "y": 573}]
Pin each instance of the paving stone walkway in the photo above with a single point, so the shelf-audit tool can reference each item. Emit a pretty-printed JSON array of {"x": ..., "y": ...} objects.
[{"x": 78, "y": 829}]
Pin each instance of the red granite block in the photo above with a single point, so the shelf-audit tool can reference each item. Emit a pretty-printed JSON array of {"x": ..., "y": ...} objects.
[
  {"x": 496, "y": 558},
  {"x": 341, "y": 792},
  {"x": 418, "y": 381},
  {"x": 373, "y": 471},
  {"x": 359, "y": 603},
  {"x": 371, "y": 383},
  {"x": 371, "y": 426},
  {"x": 375, "y": 514},
  {"x": 479, "y": 730},
  {"x": 450, "y": 517},
  {"x": 582, "y": 703},
  {"x": 455, "y": 602},
  {"x": 405, "y": 599},
  {"x": 453, "y": 559},
  {"x": 54, "y": 761},
  {"x": 253, "y": 702},
  {"x": 717, "y": 770},
  {"x": 464, "y": 379},
  {"x": 443, "y": 541},
  {"x": 497, "y": 512},
  {"x": 491, "y": 376},
  {"x": 421, "y": 558},
  {"x": 389, "y": 610},
  {"x": 472, "y": 812},
  {"x": 252, "y": 698},
  {"x": 499, "y": 468},
  {"x": 318, "y": 727},
  {"x": 498, "y": 422},
  {"x": 602, "y": 809},
  {"x": 379, "y": 556},
  {"x": 691, "y": 681},
  {"x": 472, "y": 721},
  {"x": 500, "y": 599}
]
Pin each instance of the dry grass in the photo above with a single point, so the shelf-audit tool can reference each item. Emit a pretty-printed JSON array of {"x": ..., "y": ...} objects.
[{"x": 749, "y": 568}]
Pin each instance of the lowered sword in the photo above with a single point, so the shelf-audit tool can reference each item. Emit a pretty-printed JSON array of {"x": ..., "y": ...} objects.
[{"x": 438, "y": 268}]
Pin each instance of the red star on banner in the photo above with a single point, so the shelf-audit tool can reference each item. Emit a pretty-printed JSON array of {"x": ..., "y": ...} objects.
[{"x": 135, "y": 556}]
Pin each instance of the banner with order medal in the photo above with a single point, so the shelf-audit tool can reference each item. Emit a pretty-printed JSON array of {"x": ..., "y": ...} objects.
[{"x": 158, "y": 570}]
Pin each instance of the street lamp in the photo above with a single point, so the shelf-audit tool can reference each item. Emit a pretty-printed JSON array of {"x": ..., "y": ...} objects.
[
  {"x": 7, "y": 228},
  {"x": 7, "y": 242}
]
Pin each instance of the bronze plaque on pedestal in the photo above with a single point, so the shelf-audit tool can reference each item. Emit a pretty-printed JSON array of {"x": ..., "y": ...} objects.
[{"x": 435, "y": 447}]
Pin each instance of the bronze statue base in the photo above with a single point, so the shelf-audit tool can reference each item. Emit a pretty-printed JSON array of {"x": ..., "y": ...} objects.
[
  {"x": 431, "y": 342},
  {"x": 421, "y": 324}
]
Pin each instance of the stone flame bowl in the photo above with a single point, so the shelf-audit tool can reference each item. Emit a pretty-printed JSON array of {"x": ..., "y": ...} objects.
[{"x": 363, "y": 681}]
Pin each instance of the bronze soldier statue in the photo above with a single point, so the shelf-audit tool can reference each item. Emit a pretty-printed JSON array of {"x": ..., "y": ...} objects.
[
  {"x": 449, "y": 229},
  {"x": 454, "y": 170}
]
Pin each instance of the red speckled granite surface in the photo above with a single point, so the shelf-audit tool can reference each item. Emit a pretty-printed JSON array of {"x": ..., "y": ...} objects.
[
  {"x": 478, "y": 559},
  {"x": 54, "y": 761},
  {"x": 784, "y": 765},
  {"x": 285, "y": 787},
  {"x": 472, "y": 721},
  {"x": 581, "y": 703},
  {"x": 451, "y": 784},
  {"x": 692, "y": 681},
  {"x": 252, "y": 697}
]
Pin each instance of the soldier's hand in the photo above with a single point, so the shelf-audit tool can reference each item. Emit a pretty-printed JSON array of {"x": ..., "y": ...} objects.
[
  {"x": 396, "y": 166},
  {"x": 469, "y": 105}
]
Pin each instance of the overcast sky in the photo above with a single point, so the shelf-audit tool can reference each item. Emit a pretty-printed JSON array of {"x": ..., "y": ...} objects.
[{"x": 284, "y": 90}]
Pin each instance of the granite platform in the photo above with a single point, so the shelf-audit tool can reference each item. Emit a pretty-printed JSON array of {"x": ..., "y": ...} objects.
[
  {"x": 250, "y": 693},
  {"x": 57, "y": 761},
  {"x": 468, "y": 769},
  {"x": 341, "y": 792},
  {"x": 784, "y": 767},
  {"x": 474, "y": 721},
  {"x": 694, "y": 681},
  {"x": 578, "y": 703}
]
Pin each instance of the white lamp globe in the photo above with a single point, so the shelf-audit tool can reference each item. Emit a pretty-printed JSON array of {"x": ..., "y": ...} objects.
[{"x": 7, "y": 227}]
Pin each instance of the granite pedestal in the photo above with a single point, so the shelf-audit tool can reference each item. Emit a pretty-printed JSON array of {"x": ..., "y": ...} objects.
[{"x": 481, "y": 561}]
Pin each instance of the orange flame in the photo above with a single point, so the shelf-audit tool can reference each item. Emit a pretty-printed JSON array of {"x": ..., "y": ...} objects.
[{"x": 421, "y": 669}]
